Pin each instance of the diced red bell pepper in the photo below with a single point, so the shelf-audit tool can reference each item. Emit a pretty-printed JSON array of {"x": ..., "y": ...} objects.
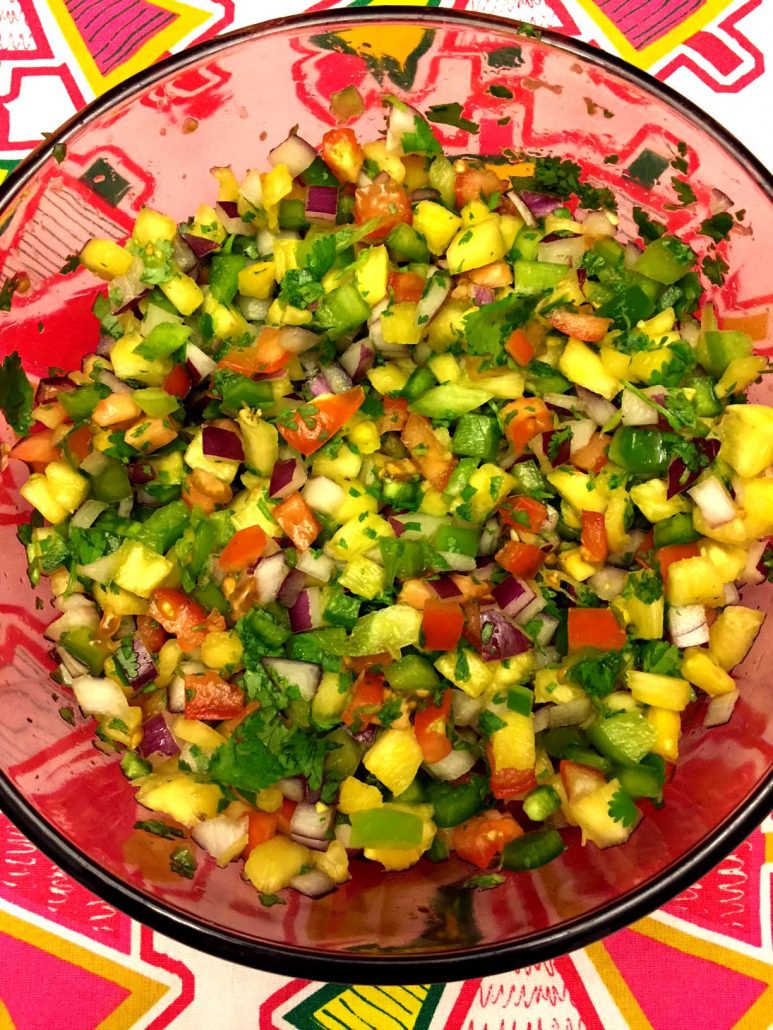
[
  {"x": 594, "y": 627},
  {"x": 523, "y": 513},
  {"x": 297, "y": 520},
  {"x": 262, "y": 827},
  {"x": 593, "y": 537},
  {"x": 441, "y": 624},
  {"x": 180, "y": 616},
  {"x": 431, "y": 729},
  {"x": 367, "y": 697},
  {"x": 211, "y": 698},
  {"x": 519, "y": 347},
  {"x": 243, "y": 549},
  {"x": 313, "y": 424},
  {"x": 520, "y": 559}
]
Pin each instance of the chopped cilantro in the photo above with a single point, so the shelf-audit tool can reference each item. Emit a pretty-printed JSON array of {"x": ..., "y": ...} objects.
[
  {"x": 646, "y": 586},
  {"x": 622, "y": 808},
  {"x": 500, "y": 92},
  {"x": 422, "y": 140},
  {"x": 451, "y": 114},
  {"x": 182, "y": 861},
  {"x": 10, "y": 285},
  {"x": 648, "y": 229},
  {"x": 489, "y": 722},
  {"x": 661, "y": 658},
  {"x": 715, "y": 269},
  {"x": 598, "y": 676},
  {"x": 718, "y": 226},
  {"x": 72, "y": 263},
  {"x": 684, "y": 191},
  {"x": 484, "y": 882},
  {"x": 16, "y": 397},
  {"x": 159, "y": 829},
  {"x": 462, "y": 667},
  {"x": 505, "y": 57},
  {"x": 269, "y": 900},
  {"x": 562, "y": 177}
]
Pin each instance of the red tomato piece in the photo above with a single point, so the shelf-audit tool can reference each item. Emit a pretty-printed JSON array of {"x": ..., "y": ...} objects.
[
  {"x": 520, "y": 559},
  {"x": 178, "y": 382},
  {"x": 243, "y": 549},
  {"x": 262, "y": 827},
  {"x": 593, "y": 537},
  {"x": 367, "y": 697},
  {"x": 593, "y": 456},
  {"x": 385, "y": 201},
  {"x": 428, "y": 453},
  {"x": 473, "y": 183},
  {"x": 264, "y": 356},
  {"x": 342, "y": 153},
  {"x": 151, "y": 633},
  {"x": 297, "y": 520},
  {"x": 519, "y": 348},
  {"x": 180, "y": 616},
  {"x": 441, "y": 624},
  {"x": 524, "y": 419},
  {"x": 211, "y": 698},
  {"x": 483, "y": 837},
  {"x": 431, "y": 729},
  {"x": 512, "y": 784},
  {"x": 594, "y": 627},
  {"x": 523, "y": 513},
  {"x": 406, "y": 286},
  {"x": 312, "y": 425},
  {"x": 395, "y": 415},
  {"x": 38, "y": 448}
]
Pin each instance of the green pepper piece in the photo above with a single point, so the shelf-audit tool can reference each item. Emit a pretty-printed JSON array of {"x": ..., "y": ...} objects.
[
  {"x": 640, "y": 451},
  {"x": 342, "y": 310},
  {"x": 80, "y": 403},
  {"x": 557, "y": 740},
  {"x": 540, "y": 803},
  {"x": 460, "y": 477},
  {"x": 224, "y": 276},
  {"x": 163, "y": 527},
  {"x": 457, "y": 540},
  {"x": 401, "y": 494},
  {"x": 413, "y": 794},
  {"x": 453, "y": 803},
  {"x": 405, "y": 244},
  {"x": 587, "y": 756},
  {"x": 421, "y": 380},
  {"x": 111, "y": 483},
  {"x": 85, "y": 647},
  {"x": 410, "y": 674},
  {"x": 344, "y": 759},
  {"x": 705, "y": 401},
  {"x": 641, "y": 781},
  {"x": 665, "y": 260},
  {"x": 163, "y": 339},
  {"x": 529, "y": 480},
  {"x": 318, "y": 174},
  {"x": 386, "y": 827},
  {"x": 542, "y": 378},
  {"x": 532, "y": 850},
  {"x": 533, "y": 277},
  {"x": 438, "y": 850},
  {"x": 676, "y": 530},
  {"x": 292, "y": 215},
  {"x": 342, "y": 609},
  {"x": 718, "y": 347},
  {"x": 450, "y": 400},
  {"x": 237, "y": 391},
  {"x": 625, "y": 737},
  {"x": 610, "y": 250},
  {"x": 520, "y": 699},
  {"x": 403, "y": 559},
  {"x": 526, "y": 243},
  {"x": 211, "y": 597},
  {"x": 477, "y": 436},
  {"x": 156, "y": 402},
  {"x": 132, "y": 766}
]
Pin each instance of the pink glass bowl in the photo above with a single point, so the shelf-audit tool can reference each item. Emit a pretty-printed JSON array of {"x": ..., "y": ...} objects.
[{"x": 152, "y": 141}]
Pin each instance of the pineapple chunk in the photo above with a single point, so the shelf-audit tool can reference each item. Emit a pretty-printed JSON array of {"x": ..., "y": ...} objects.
[
  {"x": 668, "y": 727},
  {"x": 574, "y": 565},
  {"x": 222, "y": 650},
  {"x": 473, "y": 679},
  {"x": 399, "y": 324},
  {"x": 650, "y": 499},
  {"x": 388, "y": 378},
  {"x": 334, "y": 861},
  {"x": 386, "y": 161},
  {"x": 549, "y": 686},
  {"x": 578, "y": 489},
  {"x": 746, "y": 431},
  {"x": 584, "y": 367},
  {"x": 491, "y": 485},
  {"x": 694, "y": 581},
  {"x": 184, "y": 292},
  {"x": 728, "y": 560},
  {"x": 591, "y": 813},
  {"x": 106, "y": 259},
  {"x": 740, "y": 374},
  {"x": 701, "y": 669},
  {"x": 68, "y": 487},
  {"x": 732, "y": 635},
  {"x": 345, "y": 465},
  {"x": 222, "y": 468},
  {"x": 661, "y": 691},
  {"x": 371, "y": 273},
  {"x": 119, "y": 602},
  {"x": 355, "y": 501},
  {"x": 37, "y": 491},
  {"x": 356, "y": 796},
  {"x": 363, "y": 577},
  {"x": 614, "y": 522},
  {"x": 193, "y": 731},
  {"x": 257, "y": 280},
  {"x": 615, "y": 363},
  {"x": 150, "y": 226},
  {"x": 436, "y": 224},
  {"x": 512, "y": 746},
  {"x": 140, "y": 570},
  {"x": 128, "y": 364},
  {"x": 754, "y": 521},
  {"x": 180, "y": 797},
  {"x": 475, "y": 246},
  {"x": 272, "y": 864},
  {"x": 260, "y": 440},
  {"x": 394, "y": 759},
  {"x": 357, "y": 536},
  {"x": 445, "y": 368}
]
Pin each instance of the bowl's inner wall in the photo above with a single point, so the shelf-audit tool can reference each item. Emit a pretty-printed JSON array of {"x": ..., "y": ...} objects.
[{"x": 156, "y": 148}]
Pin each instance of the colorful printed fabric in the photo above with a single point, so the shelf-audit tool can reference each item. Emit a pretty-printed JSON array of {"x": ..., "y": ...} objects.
[{"x": 72, "y": 962}]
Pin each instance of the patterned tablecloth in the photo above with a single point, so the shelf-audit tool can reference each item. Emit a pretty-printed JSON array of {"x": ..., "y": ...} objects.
[{"x": 68, "y": 961}]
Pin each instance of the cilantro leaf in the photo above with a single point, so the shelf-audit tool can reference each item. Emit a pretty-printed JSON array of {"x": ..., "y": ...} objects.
[
  {"x": 183, "y": 862},
  {"x": 715, "y": 269},
  {"x": 72, "y": 264},
  {"x": 157, "y": 263},
  {"x": 389, "y": 711},
  {"x": 562, "y": 177},
  {"x": 422, "y": 140},
  {"x": 489, "y": 722},
  {"x": 622, "y": 808},
  {"x": 269, "y": 900},
  {"x": 300, "y": 288},
  {"x": 10, "y": 285},
  {"x": 484, "y": 882},
  {"x": 673, "y": 371},
  {"x": 661, "y": 658},
  {"x": 646, "y": 586},
  {"x": 718, "y": 226},
  {"x": 683, "y": 190},
  {"x": 159, "y": 829},
  {"x": 487, "y": 328},
  {"x": 648, "y": 229},
  {"x": 451, "y": 114},
  {"x": 16, "y": 397},
  {"x": 598, "y": 676}
]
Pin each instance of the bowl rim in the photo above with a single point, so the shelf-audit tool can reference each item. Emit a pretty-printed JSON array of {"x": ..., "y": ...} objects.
[{"x": 430, "y": 967}]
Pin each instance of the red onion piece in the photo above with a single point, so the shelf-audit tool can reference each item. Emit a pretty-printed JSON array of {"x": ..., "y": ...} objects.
[
  {"x": 687, "y": 625},
  {"x": 540, "y": 204},
  {"x": 291, "y": 588},
  {"x": 104, "y": 346},
  {"x": 322, "y": 203},
  {"x": 396, "y": 525},
  {"x": 445, "y": 588},
  {"x": 157, "y": 738},
  {"x": 357, "y": 359},
  {"x": 146, "y": 667},
  {"x": 338, "y": 379},
  {"x": 598, "y": 408},
  {"x": 230, "y": 208},
  {"x": 49, "y": 388},
  {"x": 424, "y": 193},
  {"x": 287, "y": 478},
  {"x": 483, "y": 295},
  {"x": 217, "y": 442},
  {"x": 512, "y": 595},
  {"x": 680, "y": 478},
  {"x": 294, "y": 152},
  {"x": 198, "y": 364},
  {"x": 318, "y": 385},
  {"x": 269, "y": 575},
  {"x": 503, "y": 640},
  {"x": 200, "y": 245},
  {"x": 306, "y": 614}
]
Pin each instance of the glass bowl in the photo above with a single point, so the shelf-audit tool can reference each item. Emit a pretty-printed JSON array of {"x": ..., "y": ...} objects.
[{"x": 152, "y": 141}]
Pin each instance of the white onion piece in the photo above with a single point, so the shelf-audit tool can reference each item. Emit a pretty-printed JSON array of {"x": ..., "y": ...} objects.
[
  {"x": 401, "y": 119},
  {"x": 295, "y": 339},
  {"x": 421, "y": 525},
  {"x": 608, "y": 583},
  {"x": 564, "y": 402},
  {"x": 68, "y": 604},
  {"x": 432, "y": 299},
  {"x": 307, "y": 821},
  {"x": 251, "y": 188},
  {"x": 567, "y": 251},
  {"x": 175, "y": 695},
  {"x": 292, "y": 788},
  {"x": 687, "y": 625},
  {"x": 314, "y": 884},
  {"x": 71, "y": 665},
  {"x": 720, "y": 708},
  {"x": 597, "y": 223},
  {"x": 636, "y": 412},
  {"x": 294, "y": 152},
  {"x": 547, "y": 630},
  {"x": 317, "y": 565},
  {"x": 113, "y": 383},
  {"x": 598, "y": 408},
  {"x": 233, "y": 224},
  {"x": 571, "y": 713},
  {"x": 631, "y": 255},
  {"x": 455, "y": 764},
  {"x": 489, "y": 538},
  {"x": 222, "y": 837},
  {"x": 94, "y": 463},
  {"x": 582, "y": 431},
  {"x": 751, "y": 574},
  {"x": 343, "y": 834},
  {"x": 253, "y": 309},
  {"x": 458, "y": 562},
  {"x": 101, "y": 697},
  {"x": 125, "y": 506},
  {"x": 304, "y": 675},
  {"x": 87, "y": 514},
  {"x": 532, "y": 608},
  {"x": 322, "y": 494},
  {"x": 690, "y": 331},
  {"x": 731, "y": 593},
  {"x": 552, "y": 518},
  {"x": 74, "y": 619},
  {"x": 715, "y": 503},
  {"x": 465, "y": 709},
  {"x": 269, "y": 575}
]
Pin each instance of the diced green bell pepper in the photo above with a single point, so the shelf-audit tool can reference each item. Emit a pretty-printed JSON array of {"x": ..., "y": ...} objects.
[
  {"x": 438, "y": 850},
  {"x": 410, "y": 674},
  {"x": 532, "y": 850},
  {"x": 401, "y": 493},
  {"x": 162, "y": 340},
  {"x": 342, "y": 760},
  {"x": 156, "y": 402},
  {"x": 477, "y": 436},
  {"x": 414, "y": 794},
  {"x": 625, "y": 737},
  {"x": 532, "y": 277},
  {"x": 705, "y": 401},
  {"x": 386, "y": 827},
  {"x": 450, "y": 400},
  {"x": 133, "y": 767},
  {"x": 111, "y": 483},
  {"x": 460, "y": 477},
  {"x": 421, "y": 380},
  {"x": 211, "y": 597},
  {"x": 678, "y": 529},
  {"x": 404, "y": 559},
  {"x": 84, "y": 646},
  {"x": 625, "y": 306},
  {"x": 665, "y": 260},
  {"x": 323, "y": 647},
  {"x": 526, "y": 243},
  {"x": 342, "y": 310},
  {"x": 318, "y": 174},
  {"x": 610, "y": 251},
  {"x": 342, "y": 609},
  {"x": 557, "y": 740},
  {"x": 542, "y": 378},
  {"x": 529, "y": 479},
  {"x": 520, "y": 699},
  {"x": 405, "y": 244},
  {"x": 718, "y": 347},
  {"x": 163, "y": 527},
  {"x": 641, "y": 781},
  {"x": 80, "y": 403},
  {"x": 237, "y": 391},
  {"x": 457, "y": 540},
  {"x": 639, "y": 450},
  {"x": 453, "y": 803},
  {"x": 224, "y": 275},
  {"x": 540, "y": 803},
  {"x": 292, "y": 215}
]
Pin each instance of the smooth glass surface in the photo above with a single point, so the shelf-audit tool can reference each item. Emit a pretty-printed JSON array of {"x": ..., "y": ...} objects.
[{"x": 154, "y": 143}]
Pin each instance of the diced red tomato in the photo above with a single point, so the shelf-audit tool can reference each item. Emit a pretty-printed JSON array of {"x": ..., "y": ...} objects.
[
  {"x": 406, "y": 286},
  {"x": 151, "y": 633},
  {"x": 243, "y": 549},
  {"x": 593, "y": 537},
  {"x": 511, "y": 784},
  {"x": 431, "y": 729},
  {"x": 297, "y": 520},
  {"x": 395, "y": 415},
  {"x": 594, "y": 627},
  {"x": 523, "y": 513},
  {"x": 471, "y": 629},
  {"x": 666, "y": 556},
  {"x": 387, "y": 202},
  {"x": 312, "y": 425},
  {"x": 262, "y": 827},
  {"x": 38, "y": 448},
  {"x": 180, "y": 616},
  {"x": 367, "y": 697},
  {"x": 593, "y": 456},
  {"x": 284, "y": 815},
  {"x": 264, "y": 356},
  {"x": 342, "y": 153},
  {"x": 483, "y": 837},
  {"x": 211, "y": 698},
  {"x": 427, "y": 452},
  {"x": 178, "y": 382},
  {"x": 579, "y": 780},
  {"x": 473, "y": 183},
  {"x": 520, "y": 559},
  {"x": 590, "y": 328},
  {"x": 78, "y": 443},
  {"x": 519, "y": 348},
  {"x": 441, "y": 624},
  {"x": 524, "y": 419}
]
